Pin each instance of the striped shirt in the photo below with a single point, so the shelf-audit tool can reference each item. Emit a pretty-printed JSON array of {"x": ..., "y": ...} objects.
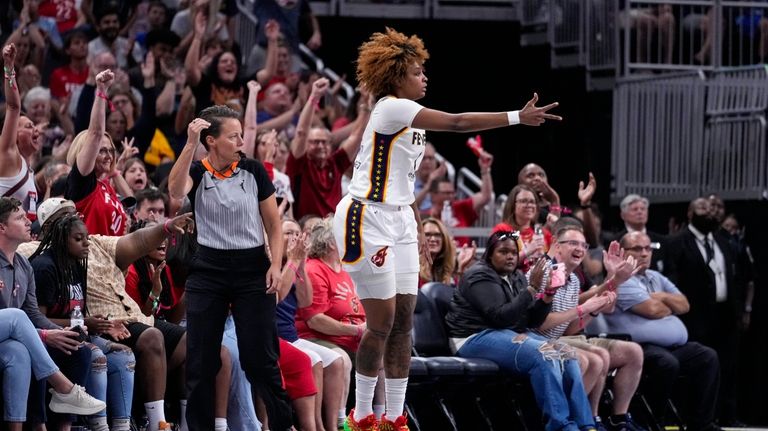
[
  {"x": 566, "y": 298},
  {"x": 226, "y": 208}
]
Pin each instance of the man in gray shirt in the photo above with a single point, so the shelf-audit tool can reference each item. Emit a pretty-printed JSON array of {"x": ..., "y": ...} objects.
[
  {"x": 17, "y": 290},
  {"x": 647, "y": 308}
]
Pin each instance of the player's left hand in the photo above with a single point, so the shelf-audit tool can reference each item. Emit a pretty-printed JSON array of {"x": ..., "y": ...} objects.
[{"x": 531, "y": 115}]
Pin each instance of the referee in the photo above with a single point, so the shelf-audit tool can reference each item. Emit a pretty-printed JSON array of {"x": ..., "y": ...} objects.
[{"x": 232, "y": 198}]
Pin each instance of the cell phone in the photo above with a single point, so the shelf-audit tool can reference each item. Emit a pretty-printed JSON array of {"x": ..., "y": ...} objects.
[
  {"x": 558, "y": 275},
  {"x": 81, "y": 335}
]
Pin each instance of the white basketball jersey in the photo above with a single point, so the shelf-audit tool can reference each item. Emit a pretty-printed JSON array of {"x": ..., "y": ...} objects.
[{"x": 390, "y": 154}]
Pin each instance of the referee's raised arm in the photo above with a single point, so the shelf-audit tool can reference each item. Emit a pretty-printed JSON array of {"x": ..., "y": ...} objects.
[{"x": 179, "y": 181}]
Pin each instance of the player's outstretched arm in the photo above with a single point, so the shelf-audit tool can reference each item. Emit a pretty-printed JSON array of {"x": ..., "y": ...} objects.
[{"x": 531, "y": 115}]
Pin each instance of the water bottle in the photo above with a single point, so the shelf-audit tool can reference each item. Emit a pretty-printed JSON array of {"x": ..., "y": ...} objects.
[
  {"x": 76, "y": 319},
  {"x": 446, "y": 215},
  {"x": 538, "y": 237}
]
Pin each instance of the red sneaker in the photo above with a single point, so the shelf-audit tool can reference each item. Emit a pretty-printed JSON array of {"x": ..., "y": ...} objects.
[
  {"x": 400, "y": 424},
  {"x": 368, "y": 423}
]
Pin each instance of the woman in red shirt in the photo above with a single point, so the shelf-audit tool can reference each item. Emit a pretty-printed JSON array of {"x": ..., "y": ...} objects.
[
  {"x": 336, "y": 316},
  {"x": 520, "y": 214},
  {"x": 92, "y": 156}
]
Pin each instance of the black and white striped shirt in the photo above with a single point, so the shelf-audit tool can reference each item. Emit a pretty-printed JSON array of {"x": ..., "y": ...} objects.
[
  {"x": 227, "y": 215},
  {"x": 567, "y": 297}
]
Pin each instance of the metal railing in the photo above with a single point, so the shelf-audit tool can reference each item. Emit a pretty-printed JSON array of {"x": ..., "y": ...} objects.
[
  {"x": 741, "y": 90},
  {"x": 566, "y": 32},
  {"x": 658, "y": 127},
  {"x": 669, "y": 35},
  {"x": 600, "y": 47},
  {"x": 734, "y": 157},
  {"x": 533, "y": 12},
  {"x": 692, "y": 34},
  {"x": 467, "y": 184},
  {"x": 490, "y": 10},
  {"x": 566, "y": 23},
  {"x": 679, "y": 136},
  {"x": 640, "y": 36}
]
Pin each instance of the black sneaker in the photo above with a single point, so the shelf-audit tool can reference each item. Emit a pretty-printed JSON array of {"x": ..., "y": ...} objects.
[
  {"x": 599, "y": 426},
  {"x": 627, "y": 425}
]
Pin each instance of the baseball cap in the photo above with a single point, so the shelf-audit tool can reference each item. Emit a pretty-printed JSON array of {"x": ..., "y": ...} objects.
[{"x": 50, "y": 206}]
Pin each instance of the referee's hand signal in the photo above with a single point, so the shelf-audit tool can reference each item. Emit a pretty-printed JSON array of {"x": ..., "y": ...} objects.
[{"x": 195, "y": 127}]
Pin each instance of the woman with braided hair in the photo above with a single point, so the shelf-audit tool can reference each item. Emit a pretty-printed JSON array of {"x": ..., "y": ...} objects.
[
  {"x": 60, "y": 265},
  {"x": 384, "y": 262}
]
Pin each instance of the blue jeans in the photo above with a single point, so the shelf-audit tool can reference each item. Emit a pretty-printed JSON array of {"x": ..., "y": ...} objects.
[
  {"x": 17, "y": 371},
  {"x": 14, "y": 324},
  {"x": 241, "y": 415},
  {"x": 556, "y": 379},
  {"x": 111, "y": 381}
]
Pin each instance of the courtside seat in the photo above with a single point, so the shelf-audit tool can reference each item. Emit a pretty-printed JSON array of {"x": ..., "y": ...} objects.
[
  {"x": 430, "y": 341},
  {"x": 483, "y": 383},
  {"x": 440, "y": 296},
  {"x": 418, "y": 367}
]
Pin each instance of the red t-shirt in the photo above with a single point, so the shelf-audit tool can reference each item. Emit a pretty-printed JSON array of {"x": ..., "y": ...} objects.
[
  {"x": 464, "y": 213},
  {"x": 334, "y": 295},
  {"x": 132, "y": 289},
  {"x": 97, "y": 201},
  {"x": 63, "y": 11},
  {"x": 339, "y": 123},
  {"x": 317, "y": 190},
  {"x": 64, "y": 79}
]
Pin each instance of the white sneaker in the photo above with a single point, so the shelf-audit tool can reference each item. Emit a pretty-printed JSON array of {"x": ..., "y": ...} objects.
[{"x": 77, "y": 402}]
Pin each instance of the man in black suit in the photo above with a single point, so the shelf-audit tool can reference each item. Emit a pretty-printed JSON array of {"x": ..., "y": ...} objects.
[
  {"x": 702, "y": 264},
  {"x": 634, "y": 212}
]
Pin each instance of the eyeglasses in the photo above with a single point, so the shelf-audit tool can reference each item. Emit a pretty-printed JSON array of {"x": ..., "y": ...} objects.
[
  {"x": 574, "y": 243},
  {"x": 525, "y": 201},
  {"x": 318, "y": 141},
  {"x": 105, "y": 151},
  {"x": 433, "y": 235},
  {"x": 640, "y": 248}
]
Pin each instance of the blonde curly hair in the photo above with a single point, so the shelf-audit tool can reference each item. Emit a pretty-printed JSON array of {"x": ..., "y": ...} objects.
[
  {"x": 384, "y": 59},
  {"x": 321, "y": 239}
]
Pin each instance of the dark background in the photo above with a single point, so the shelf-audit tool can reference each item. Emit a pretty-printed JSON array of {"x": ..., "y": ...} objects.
[{"x": 480, "y": 66}]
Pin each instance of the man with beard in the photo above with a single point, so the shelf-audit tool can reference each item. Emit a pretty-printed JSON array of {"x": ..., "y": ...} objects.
[
  {"x": 108, "y": 26},
  {"x": 701, "y": 263}
]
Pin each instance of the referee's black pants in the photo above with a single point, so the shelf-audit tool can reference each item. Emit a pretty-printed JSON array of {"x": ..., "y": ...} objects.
[{"x": 219, "y": 279}]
